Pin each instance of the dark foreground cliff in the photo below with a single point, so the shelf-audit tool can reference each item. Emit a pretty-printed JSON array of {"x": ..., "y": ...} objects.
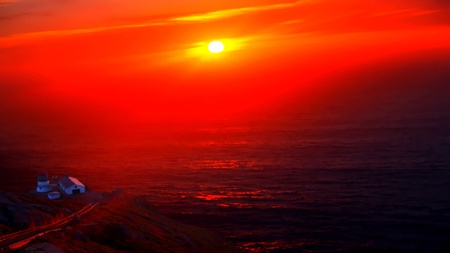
[{"x": 120, "y": 223}]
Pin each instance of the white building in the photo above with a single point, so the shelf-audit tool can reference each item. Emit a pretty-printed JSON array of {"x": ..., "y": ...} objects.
[
  {"x": 54, "y": 195},
  {"x": 71, "y": 185},
  {"x": 43, "y": 185}
]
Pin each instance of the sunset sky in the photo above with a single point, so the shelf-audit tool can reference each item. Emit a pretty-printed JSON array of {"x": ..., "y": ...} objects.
[
  {"x": 148, "y": 60},
  {"x": 322, "y": 126}
]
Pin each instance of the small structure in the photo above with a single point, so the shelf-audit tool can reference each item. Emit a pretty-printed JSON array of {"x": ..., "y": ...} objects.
[
  {"x": 71, "y": 185},
  {"x": 43, "y": 185},
  {"x": 54, "y": 195}
]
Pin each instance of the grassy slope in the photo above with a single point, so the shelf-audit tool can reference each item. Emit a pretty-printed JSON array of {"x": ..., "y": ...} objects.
[{"x": 120, "y": 223}]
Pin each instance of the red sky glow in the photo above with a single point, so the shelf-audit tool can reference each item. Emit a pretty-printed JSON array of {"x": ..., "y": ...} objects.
[{"x": 148, "y": 60}]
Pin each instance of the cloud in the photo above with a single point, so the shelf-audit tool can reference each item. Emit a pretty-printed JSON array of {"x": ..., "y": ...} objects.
[
  {"x": 292, "y": 22},
  {"x": 8, "y": 1},
  {"x": 297, "y": 17},
  {"x": 405, "y": 12},
  {"x": 235, "y": 12},
  {"x": 186, "y": 19},
  {"x": 32, "y": 19}
]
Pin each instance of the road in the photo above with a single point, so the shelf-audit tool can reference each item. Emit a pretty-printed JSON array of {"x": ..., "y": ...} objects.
[{"x": 20, "y": 238}]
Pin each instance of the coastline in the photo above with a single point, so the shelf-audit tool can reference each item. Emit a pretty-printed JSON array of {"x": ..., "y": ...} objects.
[{"x": 120, "y": 222}]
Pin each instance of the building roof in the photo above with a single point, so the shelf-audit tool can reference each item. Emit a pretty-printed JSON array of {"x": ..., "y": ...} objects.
[
  {"x": 70, "y": 181},
  {"x": 42, "y": 177}
]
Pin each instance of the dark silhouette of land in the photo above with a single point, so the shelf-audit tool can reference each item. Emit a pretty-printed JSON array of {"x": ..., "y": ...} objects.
[{"x": 118, "y": 222}]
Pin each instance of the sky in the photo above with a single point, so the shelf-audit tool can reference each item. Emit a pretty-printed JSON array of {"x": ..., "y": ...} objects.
[{"x": 101, "y": 61}]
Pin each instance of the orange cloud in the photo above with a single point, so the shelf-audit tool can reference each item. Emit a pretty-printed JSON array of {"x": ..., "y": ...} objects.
[
  {"x": 307, "y": 15},
  {"x": 235, "y": 12},
  {"x": 8, "y": 1}
]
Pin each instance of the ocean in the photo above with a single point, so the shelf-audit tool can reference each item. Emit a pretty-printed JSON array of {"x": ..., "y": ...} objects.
[
  {"x": 334, "y": 188},
  {"x": 367, "y": 177}
]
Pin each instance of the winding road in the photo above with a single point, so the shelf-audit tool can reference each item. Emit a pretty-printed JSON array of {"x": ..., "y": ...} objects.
[{"x": 20, "y": 238}]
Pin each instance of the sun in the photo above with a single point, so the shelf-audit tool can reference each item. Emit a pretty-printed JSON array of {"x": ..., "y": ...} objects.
[{"x": 216, "y": 47}]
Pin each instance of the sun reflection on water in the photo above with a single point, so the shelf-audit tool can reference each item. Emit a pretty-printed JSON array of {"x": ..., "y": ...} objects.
[{"x": 225, "y": 165}]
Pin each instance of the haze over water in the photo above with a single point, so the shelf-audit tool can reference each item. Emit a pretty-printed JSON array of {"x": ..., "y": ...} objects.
[{"x": 347, "y": 172}]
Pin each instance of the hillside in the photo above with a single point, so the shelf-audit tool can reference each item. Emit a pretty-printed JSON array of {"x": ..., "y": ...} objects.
[{"x": 120, "y": 223}]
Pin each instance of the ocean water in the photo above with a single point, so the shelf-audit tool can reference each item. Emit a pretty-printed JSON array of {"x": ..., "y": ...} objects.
[
  {"x": 368, "y": 171},
  {"x": 322, "y": 186}
]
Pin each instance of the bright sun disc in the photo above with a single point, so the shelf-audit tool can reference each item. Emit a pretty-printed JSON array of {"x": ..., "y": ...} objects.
[{"x": 216, "y": 47}]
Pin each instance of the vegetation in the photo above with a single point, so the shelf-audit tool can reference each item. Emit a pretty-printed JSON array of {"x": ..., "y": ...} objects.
[{"x": 120, "y": 223}]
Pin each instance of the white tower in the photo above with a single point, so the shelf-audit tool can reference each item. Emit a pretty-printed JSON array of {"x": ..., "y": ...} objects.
[{"x": 43, "y": 185}]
